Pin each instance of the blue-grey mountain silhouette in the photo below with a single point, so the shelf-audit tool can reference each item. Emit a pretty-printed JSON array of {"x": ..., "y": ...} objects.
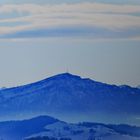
[
  {"x": 72, "y": 98},
  {"x": 48, "y": 128}
]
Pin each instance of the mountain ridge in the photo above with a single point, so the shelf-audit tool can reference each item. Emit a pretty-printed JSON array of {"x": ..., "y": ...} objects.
[
  {"x": 71, "y": 76},
  {"x": 68, "y": 75},
  {"x": 47, "y": 127},
  {"x": 67, "y": 96}
]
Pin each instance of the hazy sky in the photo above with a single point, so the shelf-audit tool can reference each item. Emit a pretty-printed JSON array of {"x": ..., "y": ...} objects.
[{"x": 99, "y": 39}]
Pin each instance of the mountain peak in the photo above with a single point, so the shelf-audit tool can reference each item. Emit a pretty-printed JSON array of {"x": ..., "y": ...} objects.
[{"x": 66, "y": 76}]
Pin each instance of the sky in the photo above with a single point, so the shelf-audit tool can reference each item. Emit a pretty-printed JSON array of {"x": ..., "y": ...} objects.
[{"x": 98, "y": 39}]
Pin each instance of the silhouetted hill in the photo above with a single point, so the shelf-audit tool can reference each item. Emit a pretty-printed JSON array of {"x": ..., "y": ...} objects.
[
  {"x": 16, "y": 130},
  {"x": 48, "y": 128},
  {"x": 72, "y": 98}
]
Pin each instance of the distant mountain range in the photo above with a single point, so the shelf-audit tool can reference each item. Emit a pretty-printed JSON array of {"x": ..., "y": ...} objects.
[
  {"x": 48, "y": 128},
  {"x": 73, "y": 99}
]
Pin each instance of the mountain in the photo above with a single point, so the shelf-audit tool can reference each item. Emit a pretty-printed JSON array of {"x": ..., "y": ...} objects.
[
  {"x": 17, "y": 130},
  {"x": 85, "y": 131},
  {"x": 72, "y": 98},
  {"x": 48, "y": 128}
]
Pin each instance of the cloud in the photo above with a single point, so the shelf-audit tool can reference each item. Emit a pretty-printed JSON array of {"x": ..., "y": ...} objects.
[
  {"x": 80, "y": 19},
  {"x": 77, "y": 7},
  {"x": 68, "y": 1}
]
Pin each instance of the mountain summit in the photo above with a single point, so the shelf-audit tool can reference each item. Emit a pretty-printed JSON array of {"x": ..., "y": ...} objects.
[{"x": 72, "y": 98}]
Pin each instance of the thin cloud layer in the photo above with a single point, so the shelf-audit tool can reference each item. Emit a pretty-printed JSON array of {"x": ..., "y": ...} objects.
[{"x": 96, "y": 20}]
